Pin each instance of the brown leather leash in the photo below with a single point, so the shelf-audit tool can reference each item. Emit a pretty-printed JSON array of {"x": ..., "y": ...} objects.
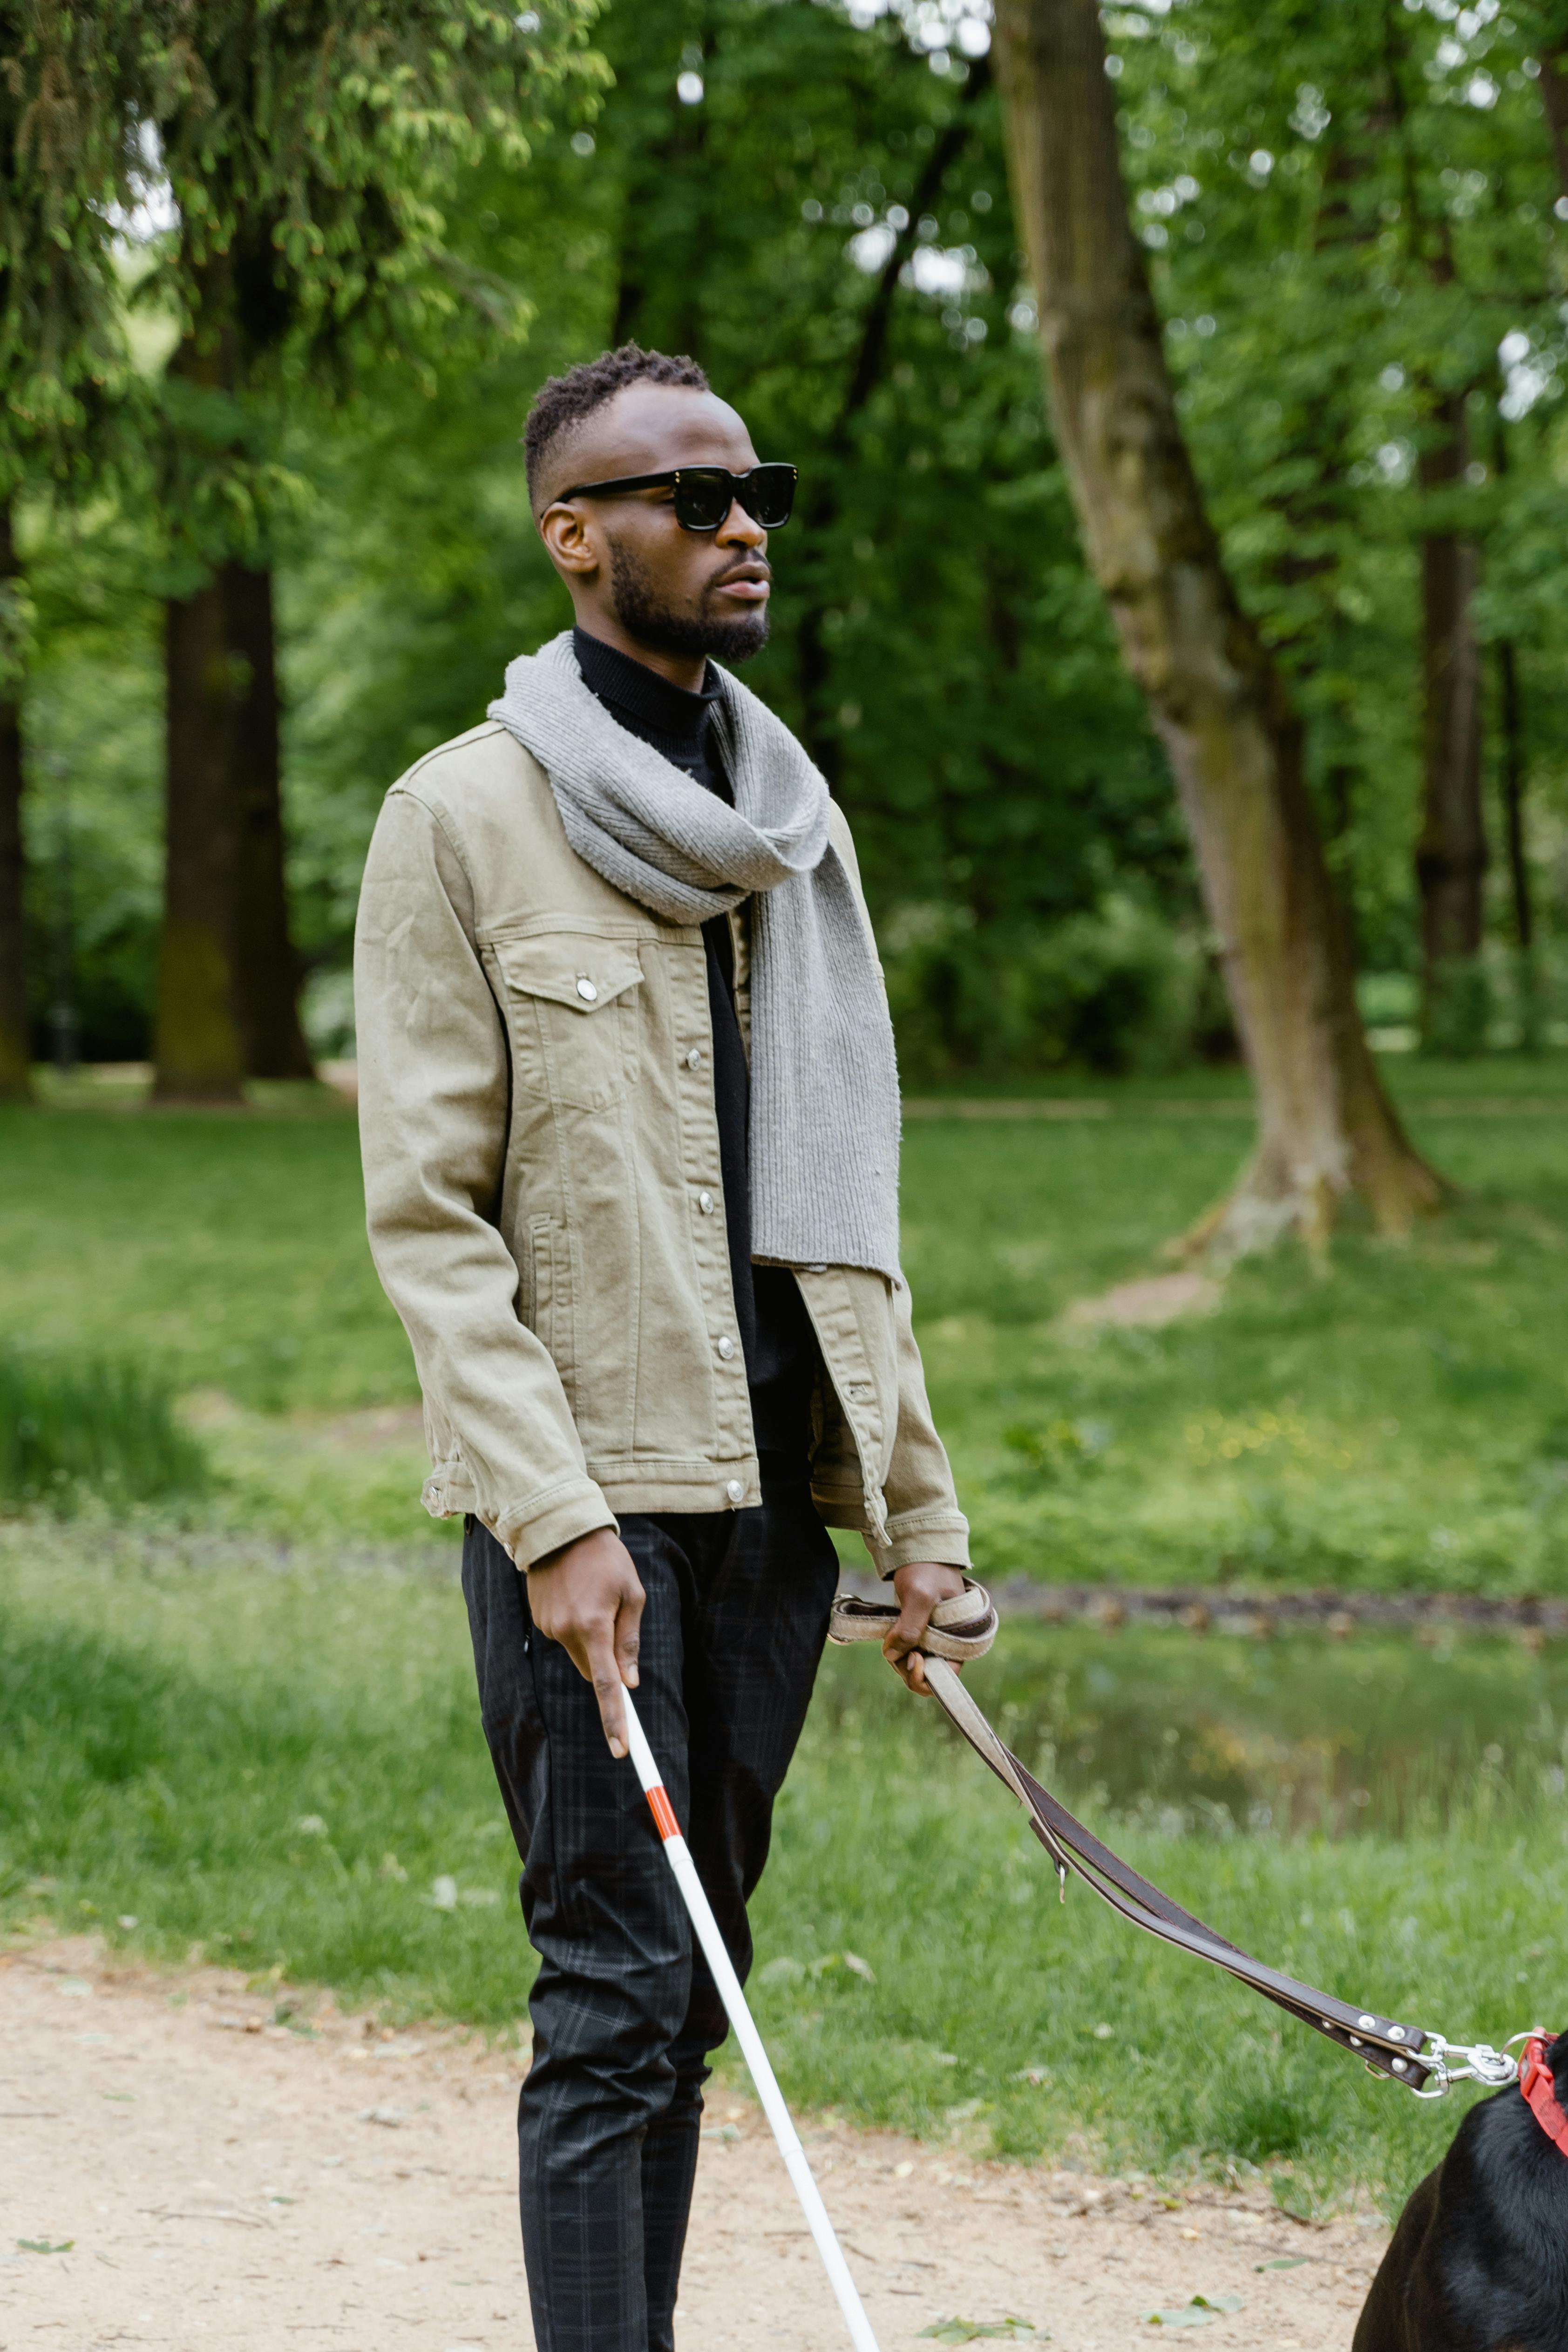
[{"x": 964, "y": 1628}]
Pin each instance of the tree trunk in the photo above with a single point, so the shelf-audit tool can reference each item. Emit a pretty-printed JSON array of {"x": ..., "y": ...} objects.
[
  {"x": 15, "y": 1065},
  {"x": 1512, "y": 725},
  {"x": 819, "y": 731},
  {"x": 1326, "y": 1130},
  {"x": 1554, "y": 99},
  {"x": 266, "y": 970},
  {"x": 1451, "y": 854},
  {"x": 662, "y": 205},
  {"x": 197, "y": 1040}
]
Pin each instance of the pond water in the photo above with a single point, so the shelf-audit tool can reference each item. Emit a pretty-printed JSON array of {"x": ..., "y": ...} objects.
[{"x": 1302, "y": 1733}]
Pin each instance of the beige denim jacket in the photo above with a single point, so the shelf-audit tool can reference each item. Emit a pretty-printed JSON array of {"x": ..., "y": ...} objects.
[{"x": 544, "y": 1203}]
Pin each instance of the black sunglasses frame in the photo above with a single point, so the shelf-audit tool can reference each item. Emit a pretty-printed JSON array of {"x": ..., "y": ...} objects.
[{"x": 693, "y": 478}]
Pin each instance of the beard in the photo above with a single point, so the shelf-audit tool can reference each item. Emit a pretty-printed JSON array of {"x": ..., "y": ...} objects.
[{"x": 645, "y": 615}]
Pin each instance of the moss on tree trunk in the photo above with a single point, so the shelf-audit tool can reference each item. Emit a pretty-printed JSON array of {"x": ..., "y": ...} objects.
[{"x": 197, "y": 1041}]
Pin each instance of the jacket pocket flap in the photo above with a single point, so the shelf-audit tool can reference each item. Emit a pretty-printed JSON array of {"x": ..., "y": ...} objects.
[{"x": 580, "y": 972}]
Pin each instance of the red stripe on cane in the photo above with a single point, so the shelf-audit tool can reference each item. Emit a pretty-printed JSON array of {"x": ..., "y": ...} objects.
[{"x": 663, "y": 1812}]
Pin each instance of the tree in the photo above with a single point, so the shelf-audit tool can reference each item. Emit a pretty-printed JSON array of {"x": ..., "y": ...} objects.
[
  {"x": 62, "y": 82},
  {"x": 1451, "y": 847},
  {"x": 1554, "y": 65},
  {"x": 994, "y": 759},
  {"x": 306, "y": 154},
  {"x": 764, "y": 186},
  {"x": 1343, "y": 216},
  {"x": 1326, "y": 1130}
]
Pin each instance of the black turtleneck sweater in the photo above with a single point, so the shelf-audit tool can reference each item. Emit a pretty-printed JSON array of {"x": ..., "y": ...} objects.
[{"x": 776, "y": 1334}]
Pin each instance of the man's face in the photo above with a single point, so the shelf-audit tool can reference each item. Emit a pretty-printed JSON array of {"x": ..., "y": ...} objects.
[{"x": 670, "y": 591}]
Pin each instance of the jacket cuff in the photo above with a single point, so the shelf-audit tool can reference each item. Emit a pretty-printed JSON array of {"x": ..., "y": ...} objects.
[
  {"x": 942, "y": 1537},
  {"x": 556, "y": 1516}
]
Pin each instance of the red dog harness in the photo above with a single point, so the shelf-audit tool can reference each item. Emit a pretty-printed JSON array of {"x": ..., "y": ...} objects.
[{"x": 1541, "y": 2092}]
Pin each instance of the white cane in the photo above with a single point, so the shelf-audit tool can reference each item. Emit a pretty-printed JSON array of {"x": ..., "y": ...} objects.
[{"x": 678, "y": 1854}]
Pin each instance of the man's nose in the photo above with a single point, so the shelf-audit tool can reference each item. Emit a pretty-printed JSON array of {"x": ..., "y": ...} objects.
[{"x": 738, "y": 529}]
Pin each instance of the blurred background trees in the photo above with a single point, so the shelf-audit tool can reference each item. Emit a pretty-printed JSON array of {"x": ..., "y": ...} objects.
[
  {"x": 63, "y": 98},
  {"x": 1354, "y": 229}
]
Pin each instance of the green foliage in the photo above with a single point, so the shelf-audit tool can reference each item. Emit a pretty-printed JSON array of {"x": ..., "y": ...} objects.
[
  {"x": 306, "y": 159},
  {"x": 936, "y": 639},
  {"x": 1116, "y": 989},
  {"x": 1458, "y": 1011},
  {"x": 62, "y": 359},
  {"x": 314, "y": 150},
  {"x": 72, "y": 1429},
  {"x": 94, "y": 810},
  {"x": 1343, "y": 229},
  {"x": 1351, "y": 216}
]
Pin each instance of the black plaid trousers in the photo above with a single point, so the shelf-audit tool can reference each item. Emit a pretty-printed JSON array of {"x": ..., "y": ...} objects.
[{"x": 623, "y": 2008}]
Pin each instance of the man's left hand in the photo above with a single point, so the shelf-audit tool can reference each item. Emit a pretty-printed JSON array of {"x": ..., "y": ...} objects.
[{"x": 920, "y": 1587}]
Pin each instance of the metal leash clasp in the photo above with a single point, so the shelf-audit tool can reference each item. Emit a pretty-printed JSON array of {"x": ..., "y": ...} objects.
[{"x": 1480, "y": 2063}]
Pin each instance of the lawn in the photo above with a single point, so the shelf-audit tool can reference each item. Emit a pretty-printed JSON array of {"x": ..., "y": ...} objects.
[
  {"x": 247, "y": 1723},
  {"x": 1398, "y": 1419}
]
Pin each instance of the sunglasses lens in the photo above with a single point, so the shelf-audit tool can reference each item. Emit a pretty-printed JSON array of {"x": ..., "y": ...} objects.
[
  {"x": 770, "y": 495},
  {"x": 703, "y": 498},
  {"x": 702, "y": 501}
]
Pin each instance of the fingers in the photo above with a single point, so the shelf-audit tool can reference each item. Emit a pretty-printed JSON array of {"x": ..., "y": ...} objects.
[
  {"x": 912, "y": 1669},
  {"x": 629, "y": 1634},
  {"x": 605, "y": 1674},
  {"x": 901, "y": 1648}
]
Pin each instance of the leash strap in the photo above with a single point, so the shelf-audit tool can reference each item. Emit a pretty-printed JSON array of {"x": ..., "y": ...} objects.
[{"x": 964, "y": 1628}]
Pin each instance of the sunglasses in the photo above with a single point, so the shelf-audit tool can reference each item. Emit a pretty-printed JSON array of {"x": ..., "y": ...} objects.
[{"x": 705, "y": 494}]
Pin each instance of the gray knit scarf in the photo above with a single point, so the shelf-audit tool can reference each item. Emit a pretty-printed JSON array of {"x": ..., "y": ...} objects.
[{"x": 824, "y": 1083}]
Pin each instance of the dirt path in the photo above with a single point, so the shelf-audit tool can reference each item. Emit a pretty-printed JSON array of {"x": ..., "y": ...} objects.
[{"x": 207, "y": 2177}]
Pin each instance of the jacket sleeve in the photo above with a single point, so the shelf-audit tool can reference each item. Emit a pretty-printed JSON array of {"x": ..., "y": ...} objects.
[
  {"x": 923, "y": 1521},
  {"x": 433, "y": 1067}
]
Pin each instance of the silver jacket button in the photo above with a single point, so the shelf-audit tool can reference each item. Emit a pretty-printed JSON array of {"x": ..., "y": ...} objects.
[
  {"x": 704, "y": 1202},
  {"x": 587, "y": 991},
  {"x": 735, "y": 1490},
  {"x": 695, "y": 1059},
  {"x": 726, "y": 1348}
]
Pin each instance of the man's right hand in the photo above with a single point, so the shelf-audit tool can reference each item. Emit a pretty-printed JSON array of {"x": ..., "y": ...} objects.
[{"x": 589, "y": 1598}]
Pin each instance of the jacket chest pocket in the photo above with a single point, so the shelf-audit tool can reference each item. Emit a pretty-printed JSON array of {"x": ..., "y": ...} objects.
[{"x": 575, "y": 1012}]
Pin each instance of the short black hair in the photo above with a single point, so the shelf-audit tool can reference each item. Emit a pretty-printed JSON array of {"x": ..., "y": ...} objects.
[{"x": 563, "y": 402}]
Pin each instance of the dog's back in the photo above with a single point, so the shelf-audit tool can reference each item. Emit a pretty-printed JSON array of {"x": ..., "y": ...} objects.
[{"x": 1479, "y": 2260}]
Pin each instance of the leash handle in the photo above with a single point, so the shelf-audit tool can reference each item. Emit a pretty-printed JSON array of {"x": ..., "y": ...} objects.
[
  {"x": 678, "y": 1854},
  {"x": 960, "y": 1629}
]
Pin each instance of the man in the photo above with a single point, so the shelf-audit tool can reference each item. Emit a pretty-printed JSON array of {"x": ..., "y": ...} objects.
[{"x": 629, "y": 1123}]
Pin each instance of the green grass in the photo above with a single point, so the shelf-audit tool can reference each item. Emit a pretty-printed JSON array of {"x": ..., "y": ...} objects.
[
  {"x": 229, "y": 1250},
  {"x": 277, "y": 1767},
  {"x": 72, "y": 1429},
  {"x": 1397, "y": 1421},
  {"x": 228, "y": 1254}
]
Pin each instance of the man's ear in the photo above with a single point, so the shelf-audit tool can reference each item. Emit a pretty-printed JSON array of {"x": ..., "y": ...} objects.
[{"x": 569, "y": 541}]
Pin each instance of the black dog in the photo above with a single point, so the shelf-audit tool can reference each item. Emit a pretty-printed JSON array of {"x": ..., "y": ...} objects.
[{"x": 1479, "y": 2260}]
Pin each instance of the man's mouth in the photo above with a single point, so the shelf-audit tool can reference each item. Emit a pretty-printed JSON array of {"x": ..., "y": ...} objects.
[{"x": 749, "y": 583}]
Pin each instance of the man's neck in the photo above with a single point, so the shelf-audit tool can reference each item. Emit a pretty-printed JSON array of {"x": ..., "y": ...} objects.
[{"x": 688, "y": 671}]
